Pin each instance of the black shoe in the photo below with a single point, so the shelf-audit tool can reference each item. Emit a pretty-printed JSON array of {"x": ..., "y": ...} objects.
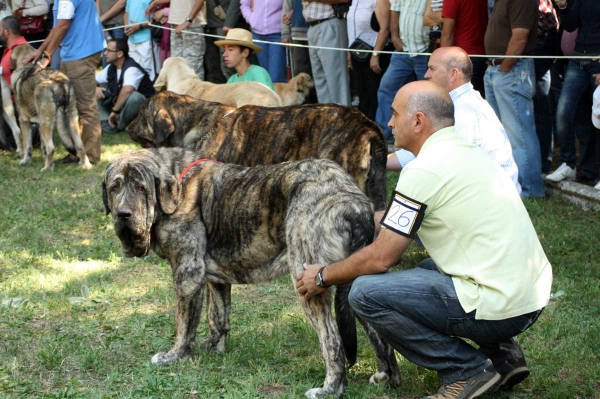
[
  {"x": 108, "y": 129},
  {"x": 70, "y": 159},
  {"x": 512, "y": 372}
]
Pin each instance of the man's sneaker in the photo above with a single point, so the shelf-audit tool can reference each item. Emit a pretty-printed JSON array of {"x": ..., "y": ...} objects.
[
  {"x": 513, "y": 372},
  {"x": 471, "y": 388},
  {"x": 107, "y": 128},
  {"x": 563, "y": 172}
]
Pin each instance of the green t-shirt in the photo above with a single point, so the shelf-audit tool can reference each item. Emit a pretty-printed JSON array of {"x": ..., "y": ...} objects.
[
  {"x": 253, "y": 74},
  {"x": 476, "y": 228}
]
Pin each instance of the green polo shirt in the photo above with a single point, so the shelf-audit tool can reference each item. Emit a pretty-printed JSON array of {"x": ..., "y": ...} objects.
[
  {"x": 254, "y": 73},
  {"x": 476, "y": 228}
]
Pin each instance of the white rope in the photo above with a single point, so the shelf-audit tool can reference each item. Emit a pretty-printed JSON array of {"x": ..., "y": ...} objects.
[{"x": 554, "y": 57}]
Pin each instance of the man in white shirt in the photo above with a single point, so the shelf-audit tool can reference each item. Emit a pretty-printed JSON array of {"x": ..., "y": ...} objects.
[
  {"x": 123, "y": 86},
  {"x": 476, "y": 121}
]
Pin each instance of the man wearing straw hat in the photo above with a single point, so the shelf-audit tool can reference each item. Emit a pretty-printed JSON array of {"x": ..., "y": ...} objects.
[{"x": 238, "y": 47}]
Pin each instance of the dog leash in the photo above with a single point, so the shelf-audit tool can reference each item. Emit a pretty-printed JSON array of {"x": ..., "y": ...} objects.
[{"x": 190, "y": 166}]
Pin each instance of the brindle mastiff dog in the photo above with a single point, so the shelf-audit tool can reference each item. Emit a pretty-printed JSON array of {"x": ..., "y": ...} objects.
[
  {"x": 253, "y": 135},
  {"x": 221, "y": 224}
]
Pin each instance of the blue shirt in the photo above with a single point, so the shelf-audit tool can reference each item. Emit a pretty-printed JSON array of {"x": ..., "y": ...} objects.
[
  {"x": 136, "y": 10},
  {"x": 84, "y": 37}
]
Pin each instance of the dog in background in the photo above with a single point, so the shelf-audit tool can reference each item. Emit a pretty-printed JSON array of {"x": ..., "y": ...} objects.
[
  {"x": 177, "y": 76},
  {"x": 216, "y": 227},
  {"x": 253, "y": 135},
  {"x": 48, "y": 99},
  {"x": 296, "y": 90}
]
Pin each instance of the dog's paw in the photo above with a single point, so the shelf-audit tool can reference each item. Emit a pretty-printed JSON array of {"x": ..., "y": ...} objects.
[
  {"x": 85, "y": 165},
  {"x": 316, "y": 393},
  {"x": 381, "y": 377},
  {"x": 210, "y": 345},
  {"x": 162, "y": 358},
  {"x": 24, "y": 161},
  {"x": 47, "y": 168}
]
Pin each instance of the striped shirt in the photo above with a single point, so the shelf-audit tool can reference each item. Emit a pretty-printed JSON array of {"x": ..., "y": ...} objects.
[
  {"x": 313, "y": 11},
  {"x": 359, "y": 22},
  {"x": 436, "y": 5},
  {"x": 414, "y": 35},
  {"x": 477, "y": 123}
]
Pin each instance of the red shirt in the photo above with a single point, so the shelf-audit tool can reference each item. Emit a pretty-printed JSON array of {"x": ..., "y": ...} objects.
[
  {"x": 470, "y": 23},
  {"x": 5, "y": 62}
]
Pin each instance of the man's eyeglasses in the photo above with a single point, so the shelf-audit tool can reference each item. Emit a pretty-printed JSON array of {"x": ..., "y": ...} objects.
[{"x": 112, "y": 51}]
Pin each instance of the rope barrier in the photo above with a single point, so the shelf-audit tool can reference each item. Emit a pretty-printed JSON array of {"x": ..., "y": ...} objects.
[{"x": 412, "y": 54}]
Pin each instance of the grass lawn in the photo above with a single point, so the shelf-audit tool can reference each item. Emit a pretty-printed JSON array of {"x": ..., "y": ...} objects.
[{"x": 78, "y": 320}]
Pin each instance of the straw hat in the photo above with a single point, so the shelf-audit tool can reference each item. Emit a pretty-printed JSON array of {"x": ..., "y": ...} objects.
[{"x": 239, "y": 37}]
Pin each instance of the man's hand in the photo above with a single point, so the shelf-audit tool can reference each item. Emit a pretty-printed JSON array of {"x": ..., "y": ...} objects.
[
  {"x": 226, "y": 29},
  {"x": 100, "y": 92},
  {"x": 113, "y": 119},
  {"x": 160, "y": 16},
  {"x": 181, "y": 27},
  {"x": 18, "y": 13},
  {"x": 150, "y": 8},
  {"x": 131, "y": 29},
  {"x": 286, "y": 18},
  {"x": 374, "y": 64},
  {"x": 286, "y": 40},
  {"x": 32, "y": 58},
  {"x": 306, "y": 282},
  {"x": 504, "y": 69}
]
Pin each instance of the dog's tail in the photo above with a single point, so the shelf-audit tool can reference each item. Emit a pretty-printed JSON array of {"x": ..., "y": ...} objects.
[
  {"x": 362, "y": 230},
  {"x": 61, "y": 94},
  {"x": 376, "y": 183}
]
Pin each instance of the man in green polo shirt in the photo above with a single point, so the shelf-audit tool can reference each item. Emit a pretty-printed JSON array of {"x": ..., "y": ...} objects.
[{"x": 488, "y": 278}]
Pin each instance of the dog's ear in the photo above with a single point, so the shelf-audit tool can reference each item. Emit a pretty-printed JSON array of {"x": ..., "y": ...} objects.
[
  {"x": 163, "y": 127},
  {"x": 105, "y": 198},
  {"x": 169, "y": 192},
  {"x": 161, "y": 82}
]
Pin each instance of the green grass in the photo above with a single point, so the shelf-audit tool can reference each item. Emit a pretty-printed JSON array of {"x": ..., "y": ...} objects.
[{"x": 88, "y": 320}]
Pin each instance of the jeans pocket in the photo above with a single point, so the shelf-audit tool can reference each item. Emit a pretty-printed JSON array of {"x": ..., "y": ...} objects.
[{"x": 456, "y": 326}]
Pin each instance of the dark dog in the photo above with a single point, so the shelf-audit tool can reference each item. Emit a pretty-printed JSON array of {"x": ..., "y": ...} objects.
[
  {"x": 221, "y": 224},
  {"x": 253, "y": 135}
]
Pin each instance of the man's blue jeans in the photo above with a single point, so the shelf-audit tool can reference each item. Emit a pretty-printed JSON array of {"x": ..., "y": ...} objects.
[
  {"x": 272, "y": 58},
  {"x": 578, "y": 78},
  {"x": 417, "y": 312},
  {"x": 403, "y": 69},
  {"x": 511, "y": 96}
]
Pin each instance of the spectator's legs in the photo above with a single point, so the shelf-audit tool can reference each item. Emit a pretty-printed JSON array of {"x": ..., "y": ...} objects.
[
  {"x": 130, "y": 109},
  {"x": 479, "y": 67},
  {"x": 511, "y": 96},
  {"x": 81, "y": 74},
  {"x": 213, "y": 59},
  {"x": 330, "y": 67},
  {"x": 272, "y": 58},
  {"x": 191, "y": 46},
  {"x": 366, "y": 83},
  {"x": 403, "y": 69},
  {"x": 575, "y": 83},
  {"x": 142, "y": 53}
]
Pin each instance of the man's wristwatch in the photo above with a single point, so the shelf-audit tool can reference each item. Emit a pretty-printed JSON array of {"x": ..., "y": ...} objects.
[
  {"x": 319, "y": 279},
  {"x": 188, "y": 19},
  {"x": 374, "y": 54},
  {"x": 116, "y": 111}
]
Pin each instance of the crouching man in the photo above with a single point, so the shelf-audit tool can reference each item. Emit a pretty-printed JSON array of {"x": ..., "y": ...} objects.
[
  {"x": 488, "y": 278},
  {"x": 123, "y": 86}
]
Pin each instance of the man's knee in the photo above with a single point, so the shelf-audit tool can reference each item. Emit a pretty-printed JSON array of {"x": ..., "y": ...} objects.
[{"x": 358, "y": 296}]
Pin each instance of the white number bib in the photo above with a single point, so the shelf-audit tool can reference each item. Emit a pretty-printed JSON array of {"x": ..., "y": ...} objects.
[{"x": 404, "y": 215}]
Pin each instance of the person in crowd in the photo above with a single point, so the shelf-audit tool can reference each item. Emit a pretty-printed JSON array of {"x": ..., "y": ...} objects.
[
  {"x": 122, "y": 87},
  {"x": 327, "y": 28},
  {"x": 475, "y": 120},
  {"x": 294, "y": 29},
  {"x": 238, "y": 47},
  {"x": 264, "y": 18},
  {"x": 464, "y": 25},
  {"x": 409, "y": 35},
  {"x": 367, "y": 69},
  {"x": 10, "y": 37},
  {"x": 583, "y": 15},
  {"x": 596, "y": 112},
  {"x": 510, "y": 85},
  {"x": 187, "y": 17},
  {"x": 488, "y": 278},
  {"x": 32, "y": 8},
  {"x": 546, "y": 44},
  {"x": 111, "y": 15},
  {"x": 141, "y": 46},
  {"x": 214, "y": 64},
  {"x": 78, "y": 31},
  {"x": 161, "y": 17}
]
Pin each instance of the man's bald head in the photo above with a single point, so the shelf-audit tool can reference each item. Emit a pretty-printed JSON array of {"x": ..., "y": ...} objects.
[
  {"x": 420, "y": 109},
  {"x": 449, "y": 67}
]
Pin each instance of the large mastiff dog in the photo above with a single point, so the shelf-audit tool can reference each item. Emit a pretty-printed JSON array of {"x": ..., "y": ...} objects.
[
  {"x": 254, "y": 135},
  {"x": 177, "y": 76},
  {"x": 221, "y": 224},
  {"x": 48, "y": 99}
]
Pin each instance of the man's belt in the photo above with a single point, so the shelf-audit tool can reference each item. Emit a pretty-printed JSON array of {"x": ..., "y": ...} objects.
[
  {"x": 318, "y": 21},
  {"x": 495, "y": 61}
]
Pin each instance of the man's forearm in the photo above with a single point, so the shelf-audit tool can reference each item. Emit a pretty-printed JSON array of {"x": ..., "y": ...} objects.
[
  {"x": 124, "y": 94},
  {"x": 55, "y": 38},
  {"x": 114, "y": 10},
  {"x": 516, "y": 46}
]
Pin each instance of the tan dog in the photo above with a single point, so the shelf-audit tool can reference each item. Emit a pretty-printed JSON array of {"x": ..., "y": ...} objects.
[
  {"x": 47, "y": 98},
  {"x": 295, "y": 91},
  {"x": 177, "y": 76}
]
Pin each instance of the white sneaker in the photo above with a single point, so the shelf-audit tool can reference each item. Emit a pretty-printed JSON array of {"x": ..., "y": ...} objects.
[{"x": 563, "y": 172}]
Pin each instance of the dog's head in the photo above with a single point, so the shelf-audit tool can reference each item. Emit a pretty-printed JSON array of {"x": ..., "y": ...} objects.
[
  {"x": 158, "y": 119},
  {"x": 303, "y": 83},
  {"x": 18, "y": 53},
  {"x": 173, "y": 70},
  {"x": 137, "y": 190}
]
